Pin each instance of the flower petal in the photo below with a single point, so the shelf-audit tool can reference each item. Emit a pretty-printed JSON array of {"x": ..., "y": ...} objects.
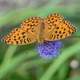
[{"x": 49, "y": 49}]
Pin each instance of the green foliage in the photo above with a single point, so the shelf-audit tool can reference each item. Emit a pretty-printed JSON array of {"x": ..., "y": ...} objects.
[{"x": 24, "y": 63}]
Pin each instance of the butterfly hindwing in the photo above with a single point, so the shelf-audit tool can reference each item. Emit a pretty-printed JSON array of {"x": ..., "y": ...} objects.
[{"x": 19, "y": 36}]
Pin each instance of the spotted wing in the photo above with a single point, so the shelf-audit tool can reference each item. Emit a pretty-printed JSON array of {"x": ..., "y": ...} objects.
[
  {"x": 26, "y": 34},
  {"x": 56, "y": 28}
]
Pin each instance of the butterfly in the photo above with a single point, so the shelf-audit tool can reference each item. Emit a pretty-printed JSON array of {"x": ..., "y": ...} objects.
[{"x": 35, "y": 29}]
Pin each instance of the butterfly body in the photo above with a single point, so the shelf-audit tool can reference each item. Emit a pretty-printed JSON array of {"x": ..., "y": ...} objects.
[{"x": 35, "y": 29}]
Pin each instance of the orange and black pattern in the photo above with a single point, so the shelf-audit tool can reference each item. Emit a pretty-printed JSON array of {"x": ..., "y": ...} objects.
[{"x": 53, "y": 27}]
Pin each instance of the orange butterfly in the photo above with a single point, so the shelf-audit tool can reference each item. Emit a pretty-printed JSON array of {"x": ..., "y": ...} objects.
[{"x": 35, "y": 29}]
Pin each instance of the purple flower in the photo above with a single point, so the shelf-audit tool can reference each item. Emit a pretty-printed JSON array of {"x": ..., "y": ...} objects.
[{"x": 49, "y": 49}]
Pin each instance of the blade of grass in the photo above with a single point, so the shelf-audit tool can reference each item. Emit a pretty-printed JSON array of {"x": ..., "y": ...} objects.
[
  {"x": 66, "y": 54},
  {"x": 9, "y": 53},
  {"x": 27, "y": 65},
  {"x": 36, "y": 62},
  {"x": 63, "y": 72},
  {"x": 14, "y": 63}
]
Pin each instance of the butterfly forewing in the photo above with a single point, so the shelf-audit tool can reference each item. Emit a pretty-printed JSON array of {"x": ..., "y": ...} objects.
[
  {"x": 59, "y": 28},
  {"x": 32, "y": 24},
  {"x": 26, "y": 34},
  {"x": 51, "y": 21}
]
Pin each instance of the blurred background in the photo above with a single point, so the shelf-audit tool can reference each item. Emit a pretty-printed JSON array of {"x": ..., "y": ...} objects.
[{"x": 23, "y": 62}]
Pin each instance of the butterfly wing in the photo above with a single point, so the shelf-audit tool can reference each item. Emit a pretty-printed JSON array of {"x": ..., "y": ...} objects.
[
  {"x": 56, "y": 28},
  {"x": 26, "y": 34},
  {"x": 19, "y": 36}
]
